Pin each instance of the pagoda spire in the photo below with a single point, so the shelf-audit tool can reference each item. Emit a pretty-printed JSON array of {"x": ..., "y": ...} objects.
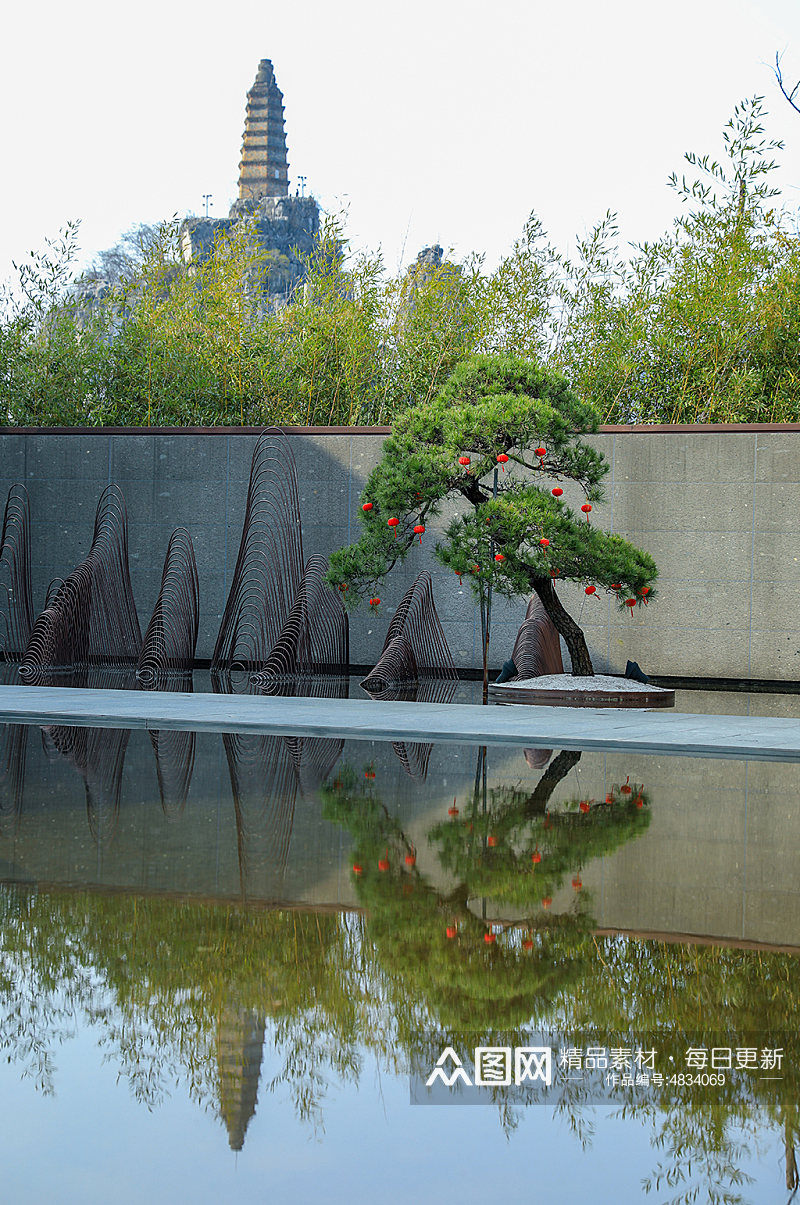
[{"x": 263, "y": 171}]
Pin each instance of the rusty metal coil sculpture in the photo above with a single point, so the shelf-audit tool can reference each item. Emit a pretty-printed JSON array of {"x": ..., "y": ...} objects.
[
  {"x": 90, "y": 617},
  {"x": 415, "y": 645},
  {"x": 537, "y": 649},
  {"x": 314, "y": 638},
  {"x": 171, "y": 638},
  {"x": 269, "y": 567},
  {"x": 16, "y": 605}
]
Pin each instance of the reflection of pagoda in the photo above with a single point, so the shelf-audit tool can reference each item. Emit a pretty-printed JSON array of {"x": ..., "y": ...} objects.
[{"x": 240, "y": 1042}]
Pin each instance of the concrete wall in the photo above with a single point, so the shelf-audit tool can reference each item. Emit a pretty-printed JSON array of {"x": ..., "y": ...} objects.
[{"x": 717, "y": 508}]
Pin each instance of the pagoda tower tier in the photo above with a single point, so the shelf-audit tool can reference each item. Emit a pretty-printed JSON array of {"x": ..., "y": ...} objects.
[{"x": 264, "y": 170}]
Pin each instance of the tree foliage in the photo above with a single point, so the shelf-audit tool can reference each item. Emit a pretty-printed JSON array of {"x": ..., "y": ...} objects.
[{"x": 514, "y": 533}]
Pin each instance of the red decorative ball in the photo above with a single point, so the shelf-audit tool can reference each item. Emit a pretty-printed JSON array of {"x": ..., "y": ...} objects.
[
  {"x": 590, "y": 590},
  {"x": 630, "y": 602},
  {"x": 411, "y": 859},
  {"x": 498, "y": 556},
  {"x": 367, "y": 506},
  {"x": 577, "y": 884},
  {"x": 356, "y": 868},
  {"x": 586, "y": 507},
  {"x": 383, "y": 864},
  {"x": 584, "y": 806},
  {"x": 463, "y": 460},
  {"x": 536, "y": 857},
  {"x": 557, "y": 492},
  {"x": 540, "y": 452},
  {"x": 544, "y": 543},
  {"x": 502, "y": 458},
  {"x": 451, "y": 930},
  {"x": 527, "y": 944},
  {"x": 419, "y": 528},
  {"x": 491, "y": 841},
  {"x": 546, "y": 902},
  {"x": 392, "y": 522},
  {"x": 374, "y": 602},
  {"x": 489, "y": 938}
]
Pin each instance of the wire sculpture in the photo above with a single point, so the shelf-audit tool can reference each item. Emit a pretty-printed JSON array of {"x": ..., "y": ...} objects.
[
  {"x": 281, "y": 618},
  {"x": 171, "y": 638},
  {"x": 16, "y": 605},
  {"x": 537, "y": 649},
  {"x": 415, "y": 665},
  {"x": 90, "y": 617},
  {"x": 270, "y": 561},
  {"x": 315, "y": 637},
  {"x": 415, "y": 645}
]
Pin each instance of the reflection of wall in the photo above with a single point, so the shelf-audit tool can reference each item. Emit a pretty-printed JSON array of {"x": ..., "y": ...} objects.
[{"x": 716, "y": 509}]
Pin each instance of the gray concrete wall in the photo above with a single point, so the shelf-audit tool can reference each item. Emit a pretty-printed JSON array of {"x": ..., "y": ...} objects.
[{"x": 717, "y": 509}]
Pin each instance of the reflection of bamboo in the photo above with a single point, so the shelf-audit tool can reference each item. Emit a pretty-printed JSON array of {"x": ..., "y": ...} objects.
[{"x": 792, "y": 1178}]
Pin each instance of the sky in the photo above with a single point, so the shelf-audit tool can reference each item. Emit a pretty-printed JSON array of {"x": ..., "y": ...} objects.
[{"x": 436, "y": 121}]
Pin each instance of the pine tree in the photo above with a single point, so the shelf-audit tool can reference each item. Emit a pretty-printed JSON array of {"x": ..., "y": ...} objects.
[{"x": 523, "y": 537}]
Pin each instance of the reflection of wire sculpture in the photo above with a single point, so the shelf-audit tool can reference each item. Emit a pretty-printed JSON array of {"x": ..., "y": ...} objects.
[
  {"x": 13, "y": 747},
  {"x": 174, "y": 751},
  {"x": 415, "y": 645},
  {"x": 16, "y": 606},
  {"x": 98, "y": 754},
  {"x": 90, "y": 617},
  {"x": 281, "y": 619},
  {"x": 171, "y": 637}
]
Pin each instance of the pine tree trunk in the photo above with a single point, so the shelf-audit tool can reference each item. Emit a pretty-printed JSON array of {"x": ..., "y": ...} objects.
[{"x": 566, "y": 626}]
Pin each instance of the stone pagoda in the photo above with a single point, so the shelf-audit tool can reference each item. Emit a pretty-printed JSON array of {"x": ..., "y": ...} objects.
[
  {"x": 285, "y": 227},
  {"x": 264, "y": 171}
]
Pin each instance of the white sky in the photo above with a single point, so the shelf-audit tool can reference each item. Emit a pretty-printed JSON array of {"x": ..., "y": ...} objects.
[{"x": 435, "y": 120}]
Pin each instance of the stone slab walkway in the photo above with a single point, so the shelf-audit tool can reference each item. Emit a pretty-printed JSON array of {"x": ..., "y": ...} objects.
[{"x": 742, "y": 737}]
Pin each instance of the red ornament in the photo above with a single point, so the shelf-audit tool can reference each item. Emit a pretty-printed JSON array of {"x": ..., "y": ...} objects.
[
  {"x": 374, "y": 602},
  {"x": 475, "y": 569},
  {"x": 540, "y": 452},
  {"x": 356, "y": 868},
  {"x": 489, "y": 938},
  {"x": 502, "y": 459},
  {"x": 609, "y": 798},
  {"x": 586, "y": 508},
  {"x": 451, "y": 930},
  {"x": 544, "y": 543},
  {"x": 584, "y": 806},
  {"x": 616, "y": 586},
  {"x": 369, "y": 773},
  {"x": 367, "y": 506},
  {"x": 393, "y": 523},
  {"x": 343, "y": 587},
  {"x": 453, "y": 811},
  {"x": 458, "y": 573},
  {"x": 498, "y": 556},
  {"x": 411, "y": 859},
  {"x": 630, "y": 602},
  {"x": 639, "y": 801},
  {"x": 557, "y": 492},
  {"x": 527, "y": 944},
  {"x": 418, "y": 530},
  {"x": 536, "y": 857},
  {"x": 645, "y": 590},
  {"x": 590, "y": 590},
  {"x": 546, "y": 902},
  {"x": 626, "y": 788},
  {"x": 491, "y": 841},
  {"x": 576, "y": 883},
  {"x": 384, "y": 862},
  {"x": 463, "y": 461}
]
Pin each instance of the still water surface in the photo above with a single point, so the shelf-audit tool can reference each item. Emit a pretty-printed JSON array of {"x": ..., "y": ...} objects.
[{"x": 221, "y": 959}]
